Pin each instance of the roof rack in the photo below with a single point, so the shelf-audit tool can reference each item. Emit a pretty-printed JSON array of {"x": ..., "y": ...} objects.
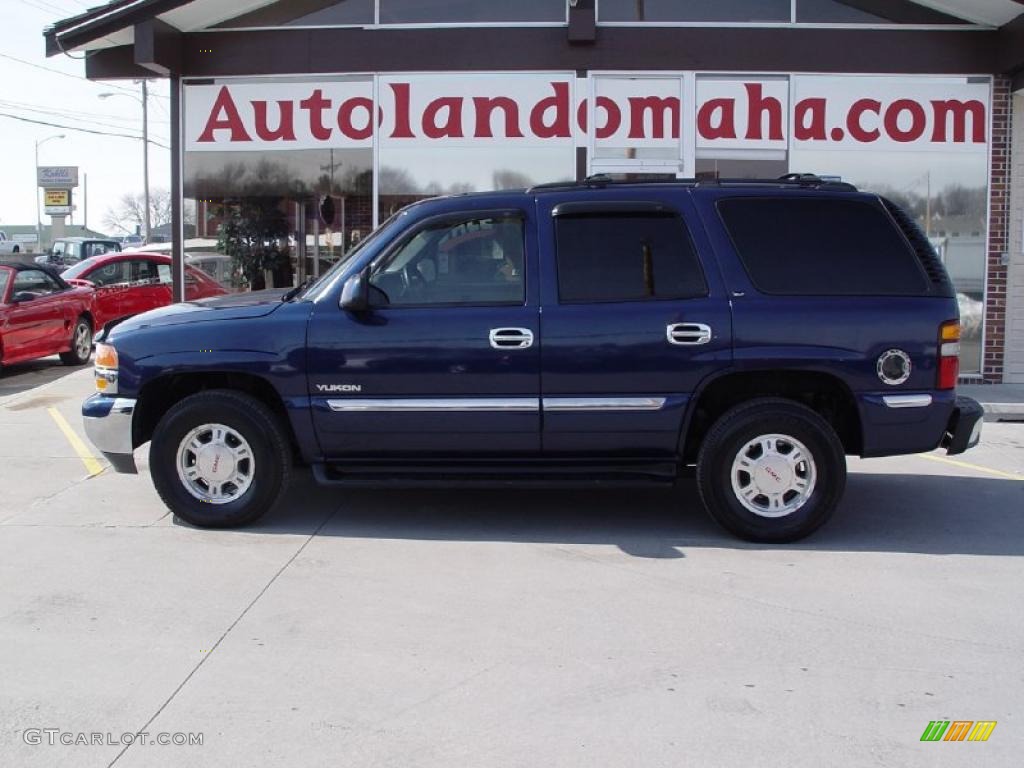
[{"x": 602, "y": 180}]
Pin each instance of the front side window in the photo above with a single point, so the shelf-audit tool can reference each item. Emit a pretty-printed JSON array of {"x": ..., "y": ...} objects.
[
  {"x": 5, "y": 278},
  {"x": 802, "y": 246},
  {"x": 478, "y": 261},
  {"x": 144, "y": 272},
  {"x": 36, "y": 282},
  {"x": 626, "y": 257},
  {"x": 110, "y": 274}
]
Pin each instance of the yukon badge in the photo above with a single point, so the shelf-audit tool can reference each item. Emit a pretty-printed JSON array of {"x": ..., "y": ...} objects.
[{"x": 339, "y": 388}]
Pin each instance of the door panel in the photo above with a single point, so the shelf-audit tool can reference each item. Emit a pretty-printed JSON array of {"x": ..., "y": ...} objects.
[
  {"x": 424, "y": 375},
  {"x": 617, "y": 376}
]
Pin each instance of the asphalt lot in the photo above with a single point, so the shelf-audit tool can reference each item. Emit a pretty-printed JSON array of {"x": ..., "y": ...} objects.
[{"x": 503, "y": 628}]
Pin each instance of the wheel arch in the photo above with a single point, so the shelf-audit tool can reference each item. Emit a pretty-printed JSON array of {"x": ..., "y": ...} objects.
[
  {"x": 158, "y": 395},
  {"x": 825, "y": 393}
]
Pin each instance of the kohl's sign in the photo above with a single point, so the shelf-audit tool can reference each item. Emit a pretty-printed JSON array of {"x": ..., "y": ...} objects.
[{"x": 735, "y": 113}]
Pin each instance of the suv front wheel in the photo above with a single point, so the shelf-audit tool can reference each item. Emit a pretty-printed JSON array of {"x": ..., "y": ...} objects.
[
  {"x": 219, "y": 458},
  {"x": 771, "y": 470}
]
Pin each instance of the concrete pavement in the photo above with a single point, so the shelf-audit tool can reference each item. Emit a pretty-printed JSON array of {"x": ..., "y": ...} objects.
[{"x": 506, "y": 628}]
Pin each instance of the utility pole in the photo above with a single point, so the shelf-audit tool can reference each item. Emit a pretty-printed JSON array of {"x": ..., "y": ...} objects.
[
  {"x": 35, "y": 186},
  {"x": 145, "y": 154}
]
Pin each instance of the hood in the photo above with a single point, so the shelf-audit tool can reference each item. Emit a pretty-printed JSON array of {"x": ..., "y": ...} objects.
[{"x": 232, "y": 306}]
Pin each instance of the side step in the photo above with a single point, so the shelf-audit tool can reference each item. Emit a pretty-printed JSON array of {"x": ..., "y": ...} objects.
[{"x": 496, "y": 475}]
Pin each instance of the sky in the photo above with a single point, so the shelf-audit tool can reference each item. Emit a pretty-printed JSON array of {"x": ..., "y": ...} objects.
[{"x": 55, "y": 90}]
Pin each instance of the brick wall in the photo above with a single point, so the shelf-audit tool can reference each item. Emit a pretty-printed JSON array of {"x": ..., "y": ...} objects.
[
  {"x": 1013, "y": 360},
  {"x": 998, "y": 234}
]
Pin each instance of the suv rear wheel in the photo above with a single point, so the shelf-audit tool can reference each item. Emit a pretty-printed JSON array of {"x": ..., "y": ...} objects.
[
  {"x": 219, "y": 458},
  {"x": 771, "y": 470}
]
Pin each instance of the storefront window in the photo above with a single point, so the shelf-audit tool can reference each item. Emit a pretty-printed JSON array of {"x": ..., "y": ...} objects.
[
  {"x": 470, "y": 11},
  {"x": 280, "y": 174},
  {"x": 889, "y": 12},
  {"x": 285, "y": 13},
  {"x": 694, "y": 10}
]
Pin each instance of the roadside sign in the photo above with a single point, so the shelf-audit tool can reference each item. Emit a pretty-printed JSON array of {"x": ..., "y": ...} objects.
[
  {"x": 57, "y": 176},
  {"x": 56, "y": 197}
]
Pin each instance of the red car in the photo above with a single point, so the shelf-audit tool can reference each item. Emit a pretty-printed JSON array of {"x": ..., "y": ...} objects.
[
  {"x": 132, "y": 283},
  {"x": 42, "y": 315}
]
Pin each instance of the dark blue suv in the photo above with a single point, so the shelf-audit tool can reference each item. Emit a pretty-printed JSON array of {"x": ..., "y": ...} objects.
[{"x": 589, "y": 333}]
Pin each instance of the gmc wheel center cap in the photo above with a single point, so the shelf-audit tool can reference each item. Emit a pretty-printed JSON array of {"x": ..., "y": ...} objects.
[
  {"x": 215, "y": 462},
  {"x": 773, "y": 475}
]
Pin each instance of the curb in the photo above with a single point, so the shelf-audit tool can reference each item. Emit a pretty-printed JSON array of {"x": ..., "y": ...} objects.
[{"x": 1004, "y": 411}]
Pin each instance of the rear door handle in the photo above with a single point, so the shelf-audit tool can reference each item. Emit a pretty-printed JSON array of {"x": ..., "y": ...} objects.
[
  {"x": 511, "y": 338},
  {"x": 688, "y": 334}
]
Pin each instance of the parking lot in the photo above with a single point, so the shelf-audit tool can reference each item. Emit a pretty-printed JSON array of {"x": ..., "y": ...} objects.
[{"x": 504, "y": 628}]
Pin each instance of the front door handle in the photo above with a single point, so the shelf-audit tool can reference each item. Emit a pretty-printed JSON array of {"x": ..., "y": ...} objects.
[
  {"x": 688, "y": 334},
  {"x": 511, "y": 338}
]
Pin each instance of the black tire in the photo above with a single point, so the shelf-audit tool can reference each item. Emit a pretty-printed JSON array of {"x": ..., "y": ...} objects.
[
  {"x": 79, "y": 353},
  {"x": 252, "y": 420},
  {"x": 744, "y": 423}
]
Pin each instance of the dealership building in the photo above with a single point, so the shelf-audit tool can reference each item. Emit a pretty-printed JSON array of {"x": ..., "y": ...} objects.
[{"x": 305, "y": 123}]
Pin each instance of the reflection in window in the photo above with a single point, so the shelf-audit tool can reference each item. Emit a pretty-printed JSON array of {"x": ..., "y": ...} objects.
[
  {"x": 853, "y": 12},
  {"x": 694, "y": 10},
  {"x": 474, "y": 262},
  {"x": 471, "y": 11},
  {"x": 306, "y": 13}
]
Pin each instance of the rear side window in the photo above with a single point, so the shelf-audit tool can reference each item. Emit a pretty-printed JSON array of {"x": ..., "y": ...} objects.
[
  {"x": 820, "y": 246},
  {"x": 625, "y": 257}
]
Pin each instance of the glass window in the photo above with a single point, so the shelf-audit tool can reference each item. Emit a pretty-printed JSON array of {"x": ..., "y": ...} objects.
[
  {"x": 110, "y": 274},
  {"x": 889, "y": 12},
  {"x": 625, "y": 257},
  {"x": 5, "y": 277},
  {"x": 286, "y": 13},
  {"x": 36, "y": 282},
  {"x": 470, "y": 11},
  {"x": 164, "y": 273},
  {"x": 694, "y": 10},
  {"x": 474, "y": 262},
  {"x": 144, "y": 272},
  {"x": 813, "y": 246}
]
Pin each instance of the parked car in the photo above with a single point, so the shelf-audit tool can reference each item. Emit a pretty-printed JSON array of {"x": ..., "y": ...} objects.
[
  {"x": 216, "y": 265},
  {"x": 594, "y": 333},
  {"x": 41, "y": 315},
  {"x": 70, "y": 250},
  {"x": 129, "y": 283}
]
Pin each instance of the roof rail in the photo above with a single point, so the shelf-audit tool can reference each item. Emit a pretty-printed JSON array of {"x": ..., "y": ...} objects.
[{"x": 602, "y": 180}]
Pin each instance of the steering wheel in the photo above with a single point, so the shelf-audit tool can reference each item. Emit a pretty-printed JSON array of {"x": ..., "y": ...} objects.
[{"x": 412, "y": 280}]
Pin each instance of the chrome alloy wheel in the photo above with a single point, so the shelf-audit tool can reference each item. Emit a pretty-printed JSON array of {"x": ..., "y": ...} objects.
[
  {"x": 215, "y": 463},
  {"x": 83, "y": 341},
  {"x": 773, "y": 475}
]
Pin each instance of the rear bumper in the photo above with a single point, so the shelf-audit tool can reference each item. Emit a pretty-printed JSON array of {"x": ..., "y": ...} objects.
[
  {"x": 964, "y": 428},
  {"x": 108, "y": 425}
]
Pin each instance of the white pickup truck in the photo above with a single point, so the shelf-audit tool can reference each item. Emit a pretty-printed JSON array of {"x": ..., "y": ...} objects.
[{"x": 8, "y": 246}]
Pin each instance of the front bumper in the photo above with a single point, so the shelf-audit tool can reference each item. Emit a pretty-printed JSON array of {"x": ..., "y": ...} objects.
[
  {"x": 964, "y": 428},
  {"x": 108, "y": 424}
]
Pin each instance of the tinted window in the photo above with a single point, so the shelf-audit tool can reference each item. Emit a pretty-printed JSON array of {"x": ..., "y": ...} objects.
[
  {"x": 694, "y": 10},
  {"x": 461, "y": 11},
  {"x": 805, "y": 246},
  {"x": 473, "y": 261},
  {"x": 626, "y": 257}
]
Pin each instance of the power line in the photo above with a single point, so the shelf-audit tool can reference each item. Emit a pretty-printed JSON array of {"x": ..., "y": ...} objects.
[
  {"x": 76, "y": 77},
  {"x": 81, "y": 130},
  {"x": 90, "y": 121},
  {"x": 75, "y": 113}
]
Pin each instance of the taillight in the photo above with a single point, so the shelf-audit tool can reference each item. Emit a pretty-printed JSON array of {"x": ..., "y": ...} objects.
[{"x": 949, "y": 354}]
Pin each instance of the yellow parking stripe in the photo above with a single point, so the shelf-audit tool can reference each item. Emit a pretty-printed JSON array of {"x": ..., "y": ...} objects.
[
  {"x": 968, "y": 465},
  {"x": 92, "y": 466}
]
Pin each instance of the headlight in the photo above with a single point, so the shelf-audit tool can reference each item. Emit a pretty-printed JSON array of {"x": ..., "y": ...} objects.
[{"x": 105, "y": 369}]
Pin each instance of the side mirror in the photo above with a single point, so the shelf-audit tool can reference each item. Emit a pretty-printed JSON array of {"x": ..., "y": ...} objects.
[
  {"x": 355, "y": 294},
  {"x": 21, "y": 296}
]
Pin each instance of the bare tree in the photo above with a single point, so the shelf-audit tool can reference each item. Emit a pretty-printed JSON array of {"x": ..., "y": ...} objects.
[{"x": 128, "y": 214}]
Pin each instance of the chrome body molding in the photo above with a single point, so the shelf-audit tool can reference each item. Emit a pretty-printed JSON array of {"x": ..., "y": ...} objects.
[
  {"x": 553, "y": 404},
  {"x": 428, "y": 404},
  {"x": 556, "y": 404},
  {"x": 907, "y": 401}
]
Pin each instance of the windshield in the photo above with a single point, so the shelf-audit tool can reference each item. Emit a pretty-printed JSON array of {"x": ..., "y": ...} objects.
[
  {"x": 83, "y": 266},
  {"x": 313, "y": 291}
]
